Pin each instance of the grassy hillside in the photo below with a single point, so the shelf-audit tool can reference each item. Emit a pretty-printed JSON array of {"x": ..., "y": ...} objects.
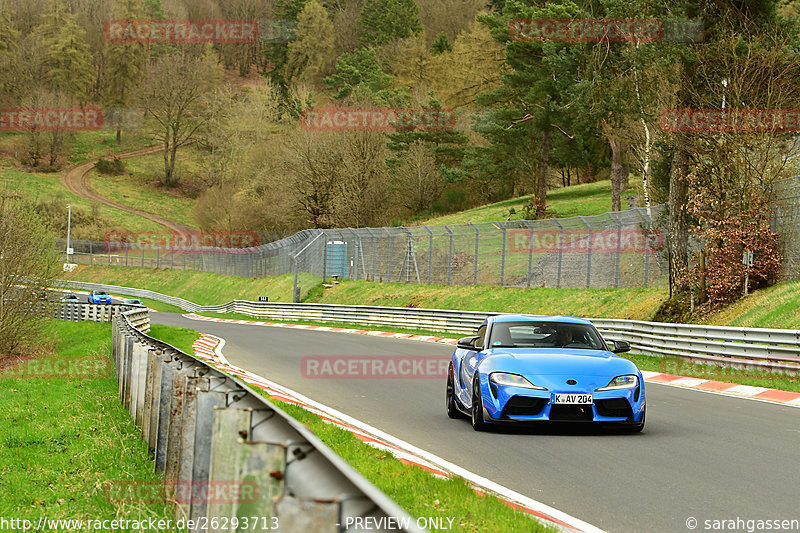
[
  {"x": 774, "y": 307},
  {"x": 209, "y": 289},
  {"x": 200, "y": 287},
  {"x": 45, "y": 187},
  {"x": 137, "y": 188},
  {"x": 586, "y": 199}
]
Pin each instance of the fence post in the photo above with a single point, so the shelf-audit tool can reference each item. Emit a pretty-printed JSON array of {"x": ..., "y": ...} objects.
[
  {"x": 530, "y": 252},
  {"x": 560, "y": 249},
  {"x": 324, "y": 256},
  {"x": 649, "y": 222},
  {"x": 619, "y": 248},
  {"x": 430, "y": 252},
  {"x": 449, "y": 254},
  {"x": 502, "y": 254},
  {"x": 588, "y": 254},
  {"x": 475, "y": 268},
  {"x": 389, "y": 259}
]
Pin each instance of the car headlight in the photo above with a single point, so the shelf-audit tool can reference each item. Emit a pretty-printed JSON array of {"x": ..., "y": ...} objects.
[
  {"x": 622, "y": 382},
  {"x": 512, "y": 380}
]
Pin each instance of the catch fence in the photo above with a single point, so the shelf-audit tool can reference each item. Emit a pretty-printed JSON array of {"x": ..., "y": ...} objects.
[{"x": 618, "y": 249}]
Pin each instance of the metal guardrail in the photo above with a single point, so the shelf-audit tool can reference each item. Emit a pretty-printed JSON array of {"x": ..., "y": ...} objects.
[
  {"x": 748, "y": 347},
  {"x": 209, "y": 429},
  {"x": 78, "y": 312}
]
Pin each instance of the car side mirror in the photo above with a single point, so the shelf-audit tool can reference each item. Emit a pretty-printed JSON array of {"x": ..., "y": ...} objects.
[
  {"x": 621, "y": 346},
  {"x": 467, "y": 343}
]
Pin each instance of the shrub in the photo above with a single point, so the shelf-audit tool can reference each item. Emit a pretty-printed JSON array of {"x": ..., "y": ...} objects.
[{"x": 113, "y": 166}]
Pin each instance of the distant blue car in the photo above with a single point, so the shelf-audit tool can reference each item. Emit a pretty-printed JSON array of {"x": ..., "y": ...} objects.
[
  {"x": 99, "y": 297},
  {"x": 523, "y": 368}
]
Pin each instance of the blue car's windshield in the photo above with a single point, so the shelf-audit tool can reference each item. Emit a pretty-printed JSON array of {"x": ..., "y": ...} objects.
[{"x": 532, "y": 334}]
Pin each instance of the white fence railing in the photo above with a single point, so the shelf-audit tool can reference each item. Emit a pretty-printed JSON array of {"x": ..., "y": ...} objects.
[{"x": 749, "y": 347}]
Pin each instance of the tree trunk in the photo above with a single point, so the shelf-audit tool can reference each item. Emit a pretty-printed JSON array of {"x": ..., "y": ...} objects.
[
  {"x": 119, "y": 136},
  {"x": 541, "y": 184},
  {"x": 616, "y": 173},
  {"x": 678, "y": 234},
  {"x": 167, "y": 175}
]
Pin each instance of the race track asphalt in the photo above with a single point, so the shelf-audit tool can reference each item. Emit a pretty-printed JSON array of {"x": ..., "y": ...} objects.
[{"x": 701, "y": 455}]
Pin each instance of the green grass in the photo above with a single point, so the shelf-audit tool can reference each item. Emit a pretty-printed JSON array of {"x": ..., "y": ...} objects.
[
  {"x": 681, "y": 367},
  {"x": 62, "y": 441},
  {"x": 587, "y": 199},
  {"x": 44, "y": 187},
  {"x": 180, "y": 338},
  {"x": 417, "y": 491},
  {"x": 774, "y": 307},
  {"x": 136, "y": 187},
  {"x": 200, "y": 287},
  {"x": 638, "y": 303},
  {"x": 93, "y": 144},
  {"x": 83, "y": 145}
]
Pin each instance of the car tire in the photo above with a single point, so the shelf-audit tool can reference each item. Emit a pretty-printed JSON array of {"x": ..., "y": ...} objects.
[
  {"x": 478, "y": 423},
  {"x": 450, "y": 397},
  {"x": 637, "y": 428}
]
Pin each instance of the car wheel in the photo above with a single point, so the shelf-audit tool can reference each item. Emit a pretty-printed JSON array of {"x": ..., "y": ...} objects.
[
  {"x": 637, "y": 428},
  {"x": 450, "y": 397},
  {"x": 478, "y": 423}
]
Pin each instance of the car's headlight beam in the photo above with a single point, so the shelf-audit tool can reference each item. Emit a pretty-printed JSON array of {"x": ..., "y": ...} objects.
[
  {"x": 512, "y": 380},
  {"x": 629, "y": 381}
]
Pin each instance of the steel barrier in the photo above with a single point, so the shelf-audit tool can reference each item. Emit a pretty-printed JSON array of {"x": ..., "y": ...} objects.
[
  {"x": 209, "y": 429},
  {"x": 749, "y": 347}
]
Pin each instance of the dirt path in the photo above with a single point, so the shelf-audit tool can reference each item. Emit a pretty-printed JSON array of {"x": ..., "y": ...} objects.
[{"x": 76, "y": 180}]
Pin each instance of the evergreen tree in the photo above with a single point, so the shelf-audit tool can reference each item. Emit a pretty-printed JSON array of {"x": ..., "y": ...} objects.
[
  {"x": 385, "y": 20},
  {"x": 441, "y": 44},
  {"x": 312, "y": 53},
  {"x": 125, "y": 68},
  {"x": 67, "y": 59}
]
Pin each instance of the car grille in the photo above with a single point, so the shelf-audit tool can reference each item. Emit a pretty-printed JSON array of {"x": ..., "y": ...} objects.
[
  {"x": 566, "y": 413},
  {"x": 524, "y": 406},
  {"x": 617, "y": 407}
]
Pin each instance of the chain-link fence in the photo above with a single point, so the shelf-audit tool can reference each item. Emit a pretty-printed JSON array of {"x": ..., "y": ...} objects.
[
  {"x": 786, "y": 222},
  {"x": 620, "y": 249}
]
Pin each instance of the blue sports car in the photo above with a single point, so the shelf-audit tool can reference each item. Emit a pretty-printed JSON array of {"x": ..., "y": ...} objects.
[
  {"x": 99, "y": 297},
  {"x": 523, "y": 368}
]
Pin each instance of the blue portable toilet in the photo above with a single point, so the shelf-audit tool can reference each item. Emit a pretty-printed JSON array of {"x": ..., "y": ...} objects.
[{"x": 336, "y": 259}]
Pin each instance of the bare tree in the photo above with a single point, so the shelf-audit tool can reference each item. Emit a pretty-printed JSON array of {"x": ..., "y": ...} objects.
[
  {"x": 175, "y": 93},
  {"x": 27, "y": 255},
  {"x": 417, "y": 181}
]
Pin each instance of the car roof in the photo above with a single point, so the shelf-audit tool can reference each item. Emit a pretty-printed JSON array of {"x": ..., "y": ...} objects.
[{"x": 539, "y": 318}]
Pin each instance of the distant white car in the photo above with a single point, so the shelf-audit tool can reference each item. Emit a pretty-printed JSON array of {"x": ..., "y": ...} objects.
[
  {"x": 70, "y": 299},
  {"x": 133, "y": 301}
]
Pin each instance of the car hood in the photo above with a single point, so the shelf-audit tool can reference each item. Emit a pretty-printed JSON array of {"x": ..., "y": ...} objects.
[{"x": 559, "y": 362}]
